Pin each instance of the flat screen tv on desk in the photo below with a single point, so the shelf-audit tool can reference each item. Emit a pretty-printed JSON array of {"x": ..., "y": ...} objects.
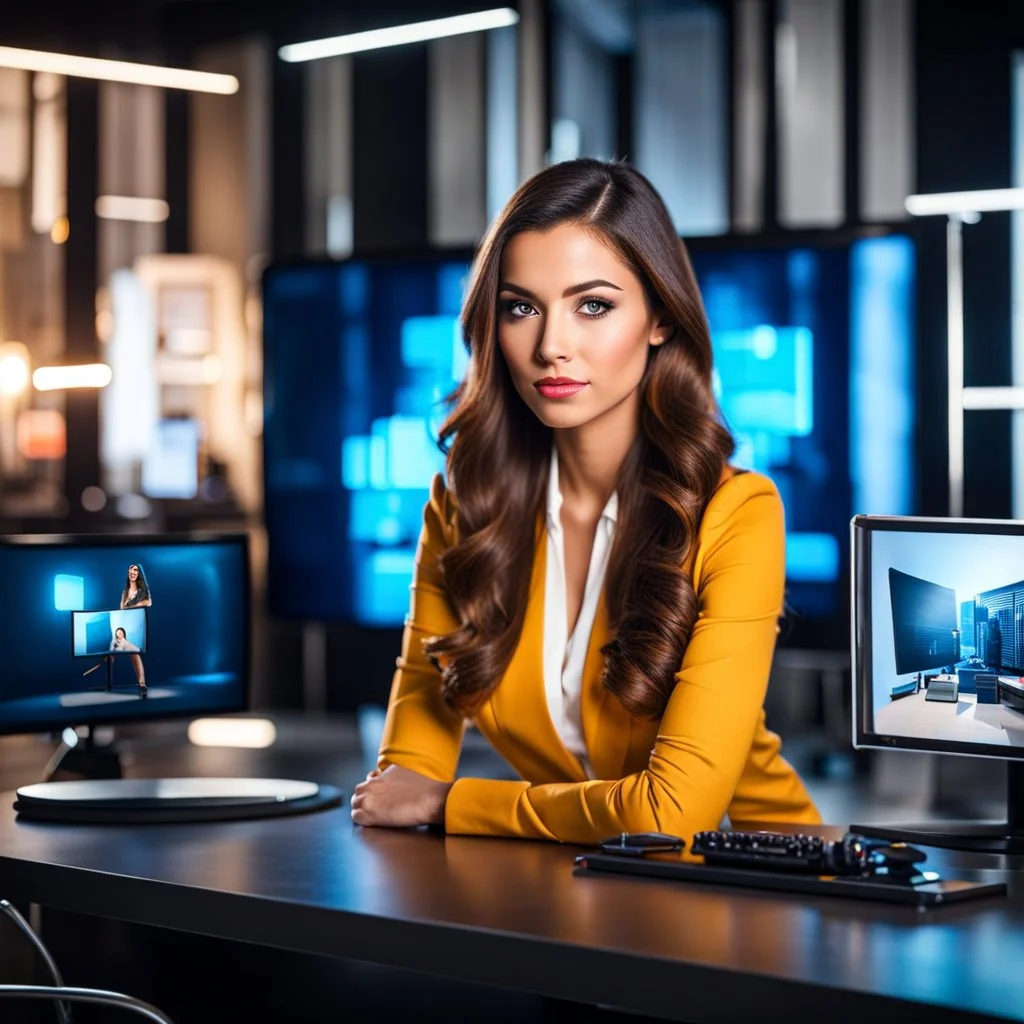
[
  {"x": 170, "y": 614},
  {"x": 938, "y": 653}
]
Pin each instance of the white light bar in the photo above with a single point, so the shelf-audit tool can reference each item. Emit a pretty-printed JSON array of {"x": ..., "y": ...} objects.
[
  {"x": 399, "y": 35},
  {"x": 254, "y": 733},
  {"x": 994, "y": 398},
  {"x": 117, "y": 71},
  {"x": 983, "y": 201},
  {"x": 55, "y": 378},
  {"x": 145, "y": 211}
]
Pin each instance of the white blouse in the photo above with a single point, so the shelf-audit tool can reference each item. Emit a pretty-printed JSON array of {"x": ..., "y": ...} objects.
[{"x": 564, "y": 655}]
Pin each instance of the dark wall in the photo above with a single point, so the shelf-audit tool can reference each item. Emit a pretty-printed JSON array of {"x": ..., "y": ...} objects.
[{"x": 964, "y": 53}]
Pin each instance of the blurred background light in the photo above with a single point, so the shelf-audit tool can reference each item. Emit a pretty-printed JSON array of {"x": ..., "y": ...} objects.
[
  {"x": 134, "y": 208},
  {"x": 117, "y": 71},
  {"x": 54, "y": 378},
  {"x": 14, "y": 368},
  {"x": 399, "y": 35}
]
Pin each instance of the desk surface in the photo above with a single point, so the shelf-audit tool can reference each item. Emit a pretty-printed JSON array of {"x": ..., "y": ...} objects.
[{"x": 514, "y": 914}]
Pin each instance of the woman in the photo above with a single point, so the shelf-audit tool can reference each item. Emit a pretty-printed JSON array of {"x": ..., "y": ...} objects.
[
  {"x": 595, "y": 586},
  {"x": 121, "y": 641},
  {"x": 136, "y": 595}
]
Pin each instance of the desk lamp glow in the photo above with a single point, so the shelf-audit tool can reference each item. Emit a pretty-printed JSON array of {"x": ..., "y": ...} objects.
[{"x": 964, "y": 208}]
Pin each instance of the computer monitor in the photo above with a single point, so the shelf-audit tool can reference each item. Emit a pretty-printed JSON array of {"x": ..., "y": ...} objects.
[
  {"x": 63, "y": 619},
  {"x": 115, "y": 631},
  {"x": 924, "y": 623},
  {"x": 941, "y": 601}
]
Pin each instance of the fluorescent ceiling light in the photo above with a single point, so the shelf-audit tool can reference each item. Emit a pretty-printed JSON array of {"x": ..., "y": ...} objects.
[
  {"x": 399, "y": 35},
  {"x": 148, "y": 211},
  {"x": 117, "y": 71},
  {"x": 983, "y": 201},
  {"x": 55, "y": 378}
]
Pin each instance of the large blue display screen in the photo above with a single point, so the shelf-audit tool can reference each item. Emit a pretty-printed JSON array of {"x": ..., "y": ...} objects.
[{"x": 360, "y": 355}]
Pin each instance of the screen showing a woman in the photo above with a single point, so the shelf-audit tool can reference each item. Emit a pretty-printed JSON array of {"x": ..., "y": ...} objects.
[
  {"x": 121, "y": 641},
  {"x": 136, "y": 595}
]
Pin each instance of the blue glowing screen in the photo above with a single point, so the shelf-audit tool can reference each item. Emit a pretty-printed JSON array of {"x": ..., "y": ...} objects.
[
  {"x": 360, "y": 355},
  {"x": 74, "y": 656}
]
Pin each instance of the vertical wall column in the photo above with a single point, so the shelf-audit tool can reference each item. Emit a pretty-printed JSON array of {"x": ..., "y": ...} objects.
[
  {"x": 389, "y": 148},
  {"x": 456, "y": 140},
  {"x": 328, "y": 149},
  {"x": 532, "y": 90},
  {"x": 131, "y": 163},
  {"x": 502, "y": 112},
  {"x": 681, "y": 115},
  {"x": 82, "y": 468},
  {"x": 886, "y": 155},
  {"x": 750, "y": 114},
  {"x": 810, "y": 118}
]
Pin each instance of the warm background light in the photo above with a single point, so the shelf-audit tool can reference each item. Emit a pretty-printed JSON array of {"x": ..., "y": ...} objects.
[
  {"x": 254, "y": 733},
  {"x": 135, "y": 208},
  {"x": 117, "y": 71},
  {"x": 89, "y": 375},
  {"x": 14, "y": 368}
]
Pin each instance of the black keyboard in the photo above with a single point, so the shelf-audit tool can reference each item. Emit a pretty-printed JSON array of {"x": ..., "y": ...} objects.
[{"x": 773, "y": 851}]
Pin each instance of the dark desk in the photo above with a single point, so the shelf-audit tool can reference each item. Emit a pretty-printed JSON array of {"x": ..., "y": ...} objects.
[{"x": 512, "y": 914}]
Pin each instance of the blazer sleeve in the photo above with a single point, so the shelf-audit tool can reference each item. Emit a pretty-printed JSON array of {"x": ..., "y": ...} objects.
[
  {"x": 420, "y": 731},
  {"x": 709, "y": 724}
]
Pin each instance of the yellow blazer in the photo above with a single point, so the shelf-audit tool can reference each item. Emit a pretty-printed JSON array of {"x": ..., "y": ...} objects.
[{"x": 709, "y": 755}]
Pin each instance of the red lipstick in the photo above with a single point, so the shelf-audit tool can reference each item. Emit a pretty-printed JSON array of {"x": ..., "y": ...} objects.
[{"x": 559, "y": 387}]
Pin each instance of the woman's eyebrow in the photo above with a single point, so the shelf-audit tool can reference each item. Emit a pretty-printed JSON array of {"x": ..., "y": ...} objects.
[{"x": 508, "y": 286}]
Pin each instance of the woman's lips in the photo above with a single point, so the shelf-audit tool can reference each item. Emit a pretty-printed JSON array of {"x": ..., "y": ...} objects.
[{"x": 559, "y": 387}]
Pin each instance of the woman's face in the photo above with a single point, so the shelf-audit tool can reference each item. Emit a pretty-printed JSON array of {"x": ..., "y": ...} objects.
[
  {"x": 120, "y": 633},
  {"x": 574, "y": 325},
  {"x": 133, "y": 572}
]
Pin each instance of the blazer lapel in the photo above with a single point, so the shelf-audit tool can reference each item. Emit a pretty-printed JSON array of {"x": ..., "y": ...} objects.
[
  {"x": 606, "y": 723},
  {"x": 520, "y": 704}
]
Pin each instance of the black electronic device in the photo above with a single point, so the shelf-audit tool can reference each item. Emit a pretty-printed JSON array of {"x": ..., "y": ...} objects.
[
  {"x": 807, "y": 854},
  {"x": 174, "y": 614},
  {"x": 944, "y": 595},
  {"x": 641, "y": 844}
]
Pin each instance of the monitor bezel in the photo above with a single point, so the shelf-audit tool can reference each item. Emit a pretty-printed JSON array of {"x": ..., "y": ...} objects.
[
  {"x": 136, "y": 540},
  {"x": 94, "y": 611},
  {"x": 861, "y": 529}
]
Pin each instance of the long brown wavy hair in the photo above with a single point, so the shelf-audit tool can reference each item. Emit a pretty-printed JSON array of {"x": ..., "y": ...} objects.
[{"x": 498, "y": 455}]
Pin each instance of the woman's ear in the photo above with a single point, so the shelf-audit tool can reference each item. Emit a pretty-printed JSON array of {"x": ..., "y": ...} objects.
[{"x": 662, "y": 331}]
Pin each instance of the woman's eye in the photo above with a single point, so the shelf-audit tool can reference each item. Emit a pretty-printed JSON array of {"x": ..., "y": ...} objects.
[
  {"x": 595, "y": 307},
  {"x": 518, "y": 308}
]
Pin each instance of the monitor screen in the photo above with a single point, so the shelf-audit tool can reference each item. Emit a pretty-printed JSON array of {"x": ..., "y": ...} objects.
[
  {"x": 359, "y": 356},
  {"x": 117, "y": 631},
  {"x": 86, "y": 617},
  {"x": 938, "y": 635}
]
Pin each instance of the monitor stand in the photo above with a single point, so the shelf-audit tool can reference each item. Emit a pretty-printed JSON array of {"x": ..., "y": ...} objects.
[
  {"x": 1005, "y": 837},
  {"x": 104, "y": 798},
  {"x": 82, "y": 755}
]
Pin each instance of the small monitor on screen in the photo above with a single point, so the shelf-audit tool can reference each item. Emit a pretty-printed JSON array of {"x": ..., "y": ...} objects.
[
  {"x": 87, "y": 619},
  {"x": 924, "y": 623},
  {"x": 120, "y": 631}
]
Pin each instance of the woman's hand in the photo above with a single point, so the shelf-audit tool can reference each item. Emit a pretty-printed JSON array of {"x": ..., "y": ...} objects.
[{"x": 399, "y": 798}]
